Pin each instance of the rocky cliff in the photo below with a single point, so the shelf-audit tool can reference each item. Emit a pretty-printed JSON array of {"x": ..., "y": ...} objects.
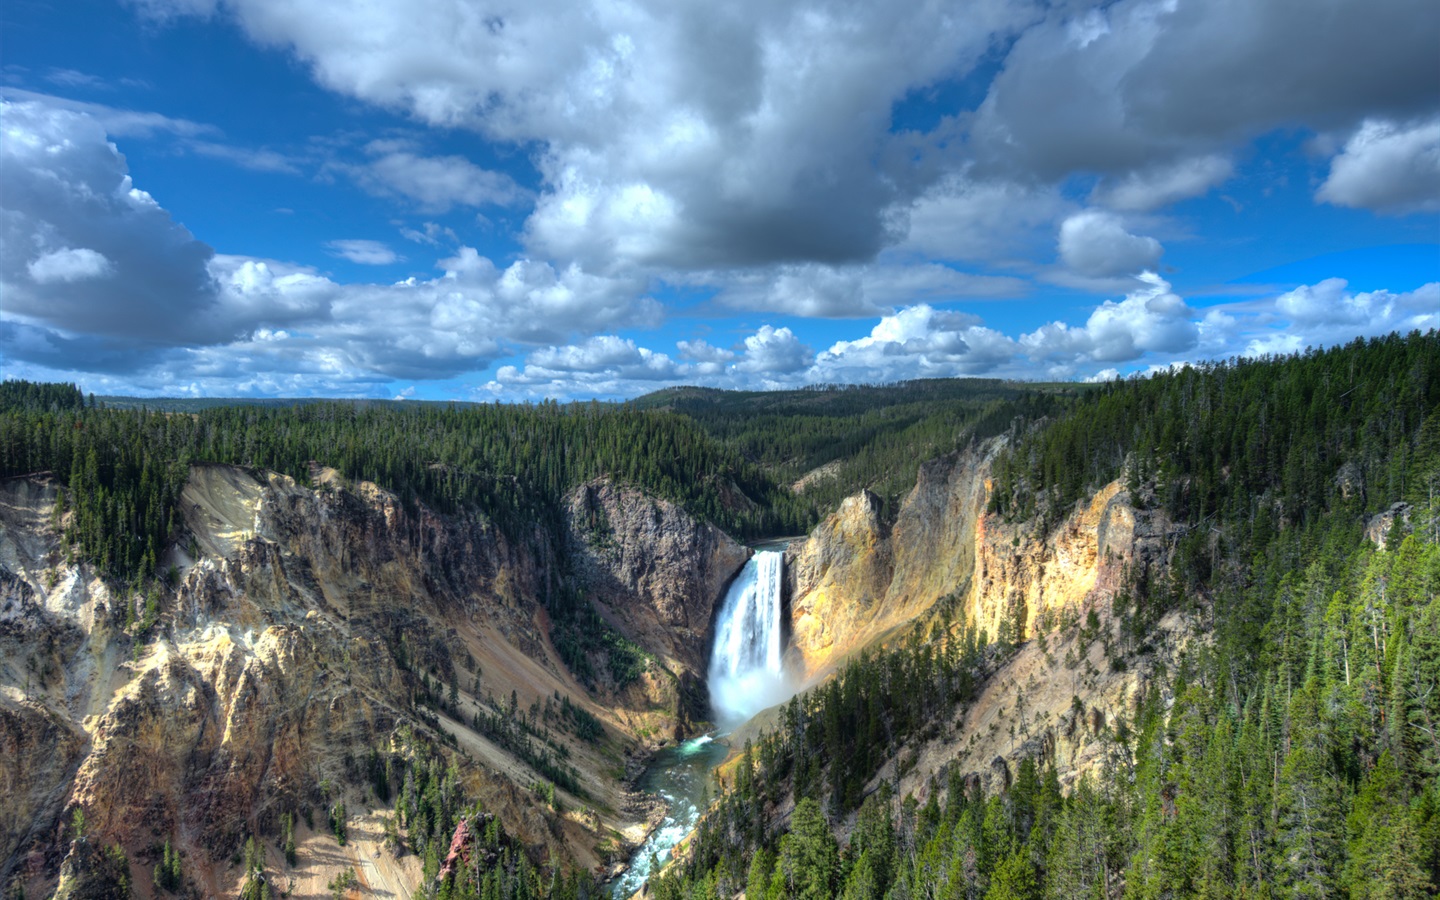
[
  {"x": 657, "y": 572},
  {"x": 298, "y": 630},
  {"x": 855, "y": 581},
  {"x": 657, "y": 575},
  {"x": 855, "y": 578}
]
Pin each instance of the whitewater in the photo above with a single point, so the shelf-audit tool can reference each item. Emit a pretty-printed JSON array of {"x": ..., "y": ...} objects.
[{"x": 746, "y": 675}]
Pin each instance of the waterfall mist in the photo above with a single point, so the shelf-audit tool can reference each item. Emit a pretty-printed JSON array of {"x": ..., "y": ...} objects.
[{"x": 745, "y": 671}]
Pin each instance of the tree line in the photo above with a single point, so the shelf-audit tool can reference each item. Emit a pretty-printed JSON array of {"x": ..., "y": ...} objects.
[
  {"x": 122, "y": 470},
  {"x": 1292, "y": 751}
]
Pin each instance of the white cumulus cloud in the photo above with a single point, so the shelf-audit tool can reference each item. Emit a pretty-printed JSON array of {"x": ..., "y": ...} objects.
[
  {"x": 1149, "y": 320},
  {"x": 69, "y": 264},
  {"x": 916, "y": 342},
  {"x": 1388, "y": 168},
  {"x": 774, "y": 351},
  {"x": 1095, "y": 244}
]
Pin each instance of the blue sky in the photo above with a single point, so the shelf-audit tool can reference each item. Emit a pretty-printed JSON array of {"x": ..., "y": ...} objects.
[{"x": 447, "y": 199}]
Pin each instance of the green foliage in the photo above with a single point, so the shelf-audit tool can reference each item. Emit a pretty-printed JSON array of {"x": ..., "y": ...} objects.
[
  {"x": 505, "y": 466},
  {"x": 255, "y": 885},
  {"x": 114, "y": 874},
  {"x": 338, "y": 822},
  {"x": 809, "y": 860},
  {"x": 168, "y": 875},
  {"x": 287, "y": 837},
  {"x": 545, "y": 791},
  {"x": 40, "y": 397},
  {"x": 1292, "y": 753},
  {"x": 342, "y": 884},
  {"x": 379, "y": 773},
  {"x": 1014, "y": 878}
]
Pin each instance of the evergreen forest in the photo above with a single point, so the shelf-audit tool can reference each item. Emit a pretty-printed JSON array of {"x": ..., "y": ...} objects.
[{"x": 1293, "y": 750}]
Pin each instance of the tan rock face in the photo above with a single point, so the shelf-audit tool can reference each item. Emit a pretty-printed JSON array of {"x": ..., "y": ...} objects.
[
  {"x": 293, "y": 643},
  {"x": 854, "y": 583},
  {"x": 1067, "y": 570},
  {"x": 838, "y": 581},
  {"x": 853, "y": 579}
]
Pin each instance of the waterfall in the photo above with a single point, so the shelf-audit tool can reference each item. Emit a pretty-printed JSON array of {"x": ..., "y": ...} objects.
[{"x": 745, "y": 671}]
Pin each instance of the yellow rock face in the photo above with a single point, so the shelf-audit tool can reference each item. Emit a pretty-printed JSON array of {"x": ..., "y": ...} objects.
[{"x": 853, "y": 581}]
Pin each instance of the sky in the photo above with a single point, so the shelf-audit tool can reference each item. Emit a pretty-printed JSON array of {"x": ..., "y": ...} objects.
[{"x": 498, "y": 200}]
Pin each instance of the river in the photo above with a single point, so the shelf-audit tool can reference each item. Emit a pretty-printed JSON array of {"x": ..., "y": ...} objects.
[
  {"x": 745, "y": 677},
  {"x": 682, "y": 777}
]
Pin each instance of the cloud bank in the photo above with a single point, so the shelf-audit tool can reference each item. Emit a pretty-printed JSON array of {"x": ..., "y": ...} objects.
[
  {"x": 680, "y": 137},
  {"x": 767, "y": 157}
]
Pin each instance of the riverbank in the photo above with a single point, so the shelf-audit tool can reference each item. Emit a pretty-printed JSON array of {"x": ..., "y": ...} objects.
[{"x": 681, "y": 777}]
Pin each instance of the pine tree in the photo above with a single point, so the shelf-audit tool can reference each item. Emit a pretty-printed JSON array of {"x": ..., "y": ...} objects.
[{"x": 809, "y": 858}]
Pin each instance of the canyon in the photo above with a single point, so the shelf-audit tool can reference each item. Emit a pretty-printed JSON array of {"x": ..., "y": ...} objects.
[
  {"x": 299, "y": 627},
  {"x": 303, "y": 621}
]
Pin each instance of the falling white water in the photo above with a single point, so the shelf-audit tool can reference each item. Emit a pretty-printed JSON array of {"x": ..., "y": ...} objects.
[
  {"x": 745, "y": 671},
  {"x": 745, "y": 677}
]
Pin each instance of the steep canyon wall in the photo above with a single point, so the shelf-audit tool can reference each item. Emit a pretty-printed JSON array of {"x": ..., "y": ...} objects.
[
  {"x": 299, "y": 626},
  {"x": 856, "y": 582}
]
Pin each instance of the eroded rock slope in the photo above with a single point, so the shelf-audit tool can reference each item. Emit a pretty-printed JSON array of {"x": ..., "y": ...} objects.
[
  {"x": 300, "y": 629},
  {"x": 857, "y": 581}
]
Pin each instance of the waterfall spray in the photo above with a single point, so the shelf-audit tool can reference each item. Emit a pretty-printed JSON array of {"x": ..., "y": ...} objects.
[{"x": 745, "y": 670}]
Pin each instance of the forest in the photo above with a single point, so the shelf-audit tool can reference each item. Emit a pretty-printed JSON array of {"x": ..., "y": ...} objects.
[
  {"x": 1292, "y": 752},
  {"x": 854, "y": 437},
  {"x": 727, "y": 457},
  {"x": 124, "y": 468}
]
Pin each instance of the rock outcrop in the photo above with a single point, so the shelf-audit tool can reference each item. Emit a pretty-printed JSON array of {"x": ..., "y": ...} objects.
[
  {"x": 300, "y": 626},
  {"x": 856, "y": 581},
  {"x": 658, "y": 573}
]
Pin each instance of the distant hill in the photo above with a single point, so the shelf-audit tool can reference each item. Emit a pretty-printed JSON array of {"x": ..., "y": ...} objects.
[
  {"x": 196, "y": 404},
  {"x": 829, "y": 441}
]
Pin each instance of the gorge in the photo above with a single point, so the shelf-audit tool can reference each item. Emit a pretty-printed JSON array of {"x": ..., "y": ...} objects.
[
  {"x": 453, "y": 682},
  {"x": 745, "y": 677}
]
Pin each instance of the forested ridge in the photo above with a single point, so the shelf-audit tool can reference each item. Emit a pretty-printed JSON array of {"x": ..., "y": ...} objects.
[
  {"x": 726, "y": 456},
  {"x": 1293, "y": 751},
  {"x": 123, "y": 469},
  {"x": 870, "y": 437}
]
